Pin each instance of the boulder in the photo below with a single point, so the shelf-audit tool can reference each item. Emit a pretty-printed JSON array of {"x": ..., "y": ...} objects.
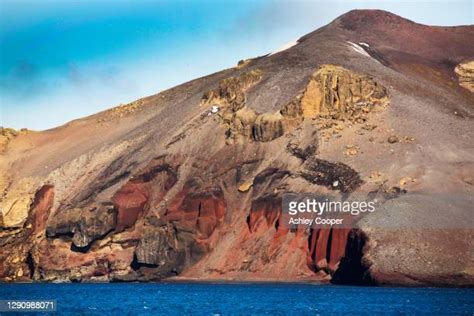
[{"x": 268, "y": 126}]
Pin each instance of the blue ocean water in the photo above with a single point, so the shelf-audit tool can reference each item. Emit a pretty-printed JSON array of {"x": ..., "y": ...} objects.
[{"x": 241, "y": 298}]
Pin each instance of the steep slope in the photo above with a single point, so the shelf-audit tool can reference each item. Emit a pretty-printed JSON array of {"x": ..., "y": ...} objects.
[{"x": 188, "y": 183}]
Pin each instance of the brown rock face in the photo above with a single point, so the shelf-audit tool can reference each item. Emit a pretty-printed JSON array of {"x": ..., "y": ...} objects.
[
  {"x": 331, "y": 92},
  {"x": 268, "y": 126},
  {"x": 16, "y": 260},
  {"x": 158, "y": 248},
  {"x": 465, "y": 72},
  {"x": 246, "y": 125},
  {"x": 84, "y": 225},
  {"x": 16, "y": 201},
  {"x": 242, "y": 122},
  {"x": 231, "y": 91},
  {"x": 240, "y": 125},
  {"x": 132, "y": 199},
  {"x": 338, "y": 93},
  {"x": 94, "y": 223}
]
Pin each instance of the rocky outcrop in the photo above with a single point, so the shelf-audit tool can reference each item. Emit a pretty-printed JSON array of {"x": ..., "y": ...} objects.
[
  {"x": 15, "y": 202},
  {"x": 242, "y": 123},
  {"x": 268, "y": 126},
  {"x": 465, "y": 72},
  {"x": 16, "y": 262},
  {"x": 84, "y": 225},
  {"x": 55, "y": 261},
  {"x": 239, "y": 125},
  {"x": 7, "y": 134},
  {"x": 245, "y": 125},
  {"x": 93, "y": 241},
  {"x": 180, "y": 236},
  {"x": 40, "y": 208},
  {"x": 334, "y": 175},
  {"x": 130, "y": 202},
  {"x": 231, "y": 91},
  {"x": 338, "y": 93},
  {"x": 158, "y": 249},
  {"x": 132, "y": 199},
  {"x": 332, "y": 92}
]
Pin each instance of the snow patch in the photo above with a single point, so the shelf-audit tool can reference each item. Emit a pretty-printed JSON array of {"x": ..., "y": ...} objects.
[
  {"x": 364, "y": 44},
  {"x": 284, "y": 47},
  {"x": 359, "y": 49}
]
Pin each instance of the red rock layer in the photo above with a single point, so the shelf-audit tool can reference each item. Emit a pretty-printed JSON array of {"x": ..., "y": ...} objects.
[
  {"x": 130, "y": 202},
  {"x": 39, "y": 210},
  {"x": 268, "y": 208},
  {"x": 133, "y": 198},
  {"x": 202, "y": 210},
  {"x": 327, "y": 246}
]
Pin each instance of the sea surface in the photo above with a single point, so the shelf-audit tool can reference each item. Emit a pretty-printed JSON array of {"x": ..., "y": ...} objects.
[{"x": 241, "y": 298}]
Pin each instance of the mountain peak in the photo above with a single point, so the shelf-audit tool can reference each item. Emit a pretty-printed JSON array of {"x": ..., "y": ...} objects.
[{"x": 357, "y": 19}]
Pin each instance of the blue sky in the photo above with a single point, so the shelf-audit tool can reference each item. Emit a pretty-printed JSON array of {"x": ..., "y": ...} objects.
[{"x": 60, "y": 60}]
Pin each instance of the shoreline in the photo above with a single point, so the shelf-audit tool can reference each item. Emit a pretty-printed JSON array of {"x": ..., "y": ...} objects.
[{"x": 249, "y": 282}]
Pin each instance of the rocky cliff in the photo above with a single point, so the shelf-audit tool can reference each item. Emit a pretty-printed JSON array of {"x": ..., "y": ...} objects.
[{"x": 188, "y": 183}]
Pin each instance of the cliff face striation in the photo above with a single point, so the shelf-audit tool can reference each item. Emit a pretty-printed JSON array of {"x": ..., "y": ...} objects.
[{"x": 188, "y": 183}]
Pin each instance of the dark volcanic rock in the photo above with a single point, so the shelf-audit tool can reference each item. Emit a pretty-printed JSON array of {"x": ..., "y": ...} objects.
[
  {"x": 94, "y": 223},
  {"x": 83, "y": 225},
  {"x": 327, "y": 173},
  {"x": 158, "y": 247}
]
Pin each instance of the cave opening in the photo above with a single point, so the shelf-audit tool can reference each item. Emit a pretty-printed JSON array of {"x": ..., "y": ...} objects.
[
  {"x": 328, "y": 249},
  {"x": 31, "y": 264},
  {"x": 84, "y": 249},
  {"x": 136, "y": 265},
  {"x": 352, "y": 269}
]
